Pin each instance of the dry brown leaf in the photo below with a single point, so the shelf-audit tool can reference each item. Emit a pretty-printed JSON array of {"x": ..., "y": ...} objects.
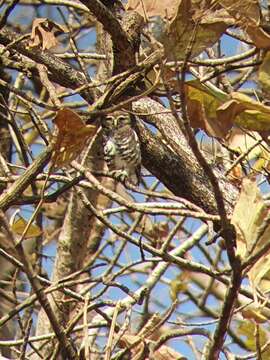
[
  {"x": 243, "y": 111},
  {"x": 166, "y": 8},
  {"x": 260, "y": 38},
  {"x": 247, "y": 16},
  {"x": 248, "y": 218},
  {"x": 249, "y": 9},
  {"x": 210, "y": 26},
  {"x": 202, "y": 105},
  {"x": 163, "y": 353},
  {"x": 241, "y": 141},
  {"x": 71, "y": 137},
  {"x": 167, "y": 353},
  {"x": 43, "y": 33},
  {"x": 173, "y": 23}
]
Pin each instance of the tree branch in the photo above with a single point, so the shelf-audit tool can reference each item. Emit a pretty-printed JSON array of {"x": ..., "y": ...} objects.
[
  {"x": 173, "y": 163},
  {"x": 125, "y": 36},
  {"x": 60, "y": 71}
]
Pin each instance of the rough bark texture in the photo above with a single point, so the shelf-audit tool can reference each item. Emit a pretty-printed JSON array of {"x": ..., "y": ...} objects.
[{"x": 171, "y": 160}]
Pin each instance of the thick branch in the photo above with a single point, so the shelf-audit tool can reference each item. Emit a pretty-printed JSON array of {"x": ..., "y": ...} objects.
[
  {"x": 109, "y": 22},
  {"x": 125, "y": 36},
  {"x": 17, "y": 188},
  {"x": 173, "y": 162},
  {"x": 61, "y": 72}
]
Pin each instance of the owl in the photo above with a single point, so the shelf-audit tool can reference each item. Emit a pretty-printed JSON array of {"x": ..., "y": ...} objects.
[{"x": 121, "y": 146}]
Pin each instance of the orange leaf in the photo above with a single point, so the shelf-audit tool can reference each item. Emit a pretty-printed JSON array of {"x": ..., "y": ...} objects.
[{"x": 71, "y": 137}]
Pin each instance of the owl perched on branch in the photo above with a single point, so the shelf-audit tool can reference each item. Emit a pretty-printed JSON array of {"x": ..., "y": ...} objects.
[{"x": 121, "y": 146}]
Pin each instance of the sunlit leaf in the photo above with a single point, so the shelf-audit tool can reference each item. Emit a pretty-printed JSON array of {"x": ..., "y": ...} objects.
[
  {"x": 166, "y": 9},
  {"x": 247, "y": 16},
  {"x": 31, "y": 136},
  {"x": 243, "y": 111},
  {"x": 19, "y": 225},
  {"x": 248, "y": 218},
  {"x": 247, "y": 329},
  {"x": 216, "y": 113},
  {"x": 248, "y": 215},
  {"x": 202, "y": 105},
  {"x": 173, "y": 23},
  {"x": 264, "y": 72},
  {"x": 71, "y": 138},
  {"x": 262, "y": 162},
  {"x": 255, "y": 314},
  {"x": 178, "y": 285},
  {"x": 241, "y": 141}
]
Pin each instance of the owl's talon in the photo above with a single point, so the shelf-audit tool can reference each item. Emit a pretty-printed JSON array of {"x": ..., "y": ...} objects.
[{"x": 120, "y": 175}]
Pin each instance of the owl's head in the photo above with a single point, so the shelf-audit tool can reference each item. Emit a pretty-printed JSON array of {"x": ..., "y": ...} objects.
[{"x": 116, "y": 121}]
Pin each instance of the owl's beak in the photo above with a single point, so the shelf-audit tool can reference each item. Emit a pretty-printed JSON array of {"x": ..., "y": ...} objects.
[{"x": 115, "y": 122}]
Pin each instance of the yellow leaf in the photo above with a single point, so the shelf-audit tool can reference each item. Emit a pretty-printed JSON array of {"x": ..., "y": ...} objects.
[
  {"x": 264, "y": 72},
  {"x": 262, "y": 161},
  {"x": 255, "y": 314},
  {"x": 245, "y": 112},
  {"x": 178, "y": 285},
  {"x": 202, "y": 105},
  {"x": 247, "y": 329},
  {"x": 19, "y": 225}
]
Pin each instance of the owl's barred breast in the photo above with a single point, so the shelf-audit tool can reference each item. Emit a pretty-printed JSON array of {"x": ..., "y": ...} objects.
[{"x": 121, "y": 146}]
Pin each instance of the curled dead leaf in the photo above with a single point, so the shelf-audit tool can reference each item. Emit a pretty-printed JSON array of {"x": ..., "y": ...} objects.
[
  {"x": 247, "y": 16},
  {"x": 202, "y": 106},
  {"x": 43, "y": 33},
  {"x": 71, "y": 137},
  {"x": 173, "y": 23},
  {"x": 248, "y": 218},
  {"x": 166, "y": 8}
]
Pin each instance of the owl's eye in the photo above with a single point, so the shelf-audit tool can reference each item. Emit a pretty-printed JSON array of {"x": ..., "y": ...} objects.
[
  {"x": 108, "y": 120},
  {"x": 122, "y": 118}
]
